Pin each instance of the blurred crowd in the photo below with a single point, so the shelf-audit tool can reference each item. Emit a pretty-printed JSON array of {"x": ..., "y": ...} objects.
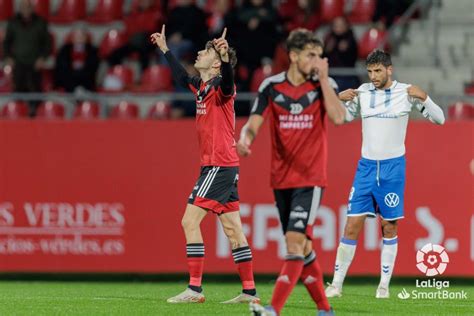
[{"x": 256, "y": 28}]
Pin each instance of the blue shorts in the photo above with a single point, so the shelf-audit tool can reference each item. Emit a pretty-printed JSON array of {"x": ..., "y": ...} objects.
[{"x": 378, "y": 187}]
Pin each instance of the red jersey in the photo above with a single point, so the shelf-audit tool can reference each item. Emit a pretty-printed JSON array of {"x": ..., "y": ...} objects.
[
  {"x": 215, "y": 122},
  {"x": 299, "y": 131}
]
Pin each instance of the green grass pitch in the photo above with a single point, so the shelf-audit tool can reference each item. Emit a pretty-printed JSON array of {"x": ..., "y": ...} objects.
[{"x": 149, "y": 298}]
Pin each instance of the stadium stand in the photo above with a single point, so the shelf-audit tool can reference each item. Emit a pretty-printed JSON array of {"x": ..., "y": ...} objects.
[{"x": 417, "y": 52}]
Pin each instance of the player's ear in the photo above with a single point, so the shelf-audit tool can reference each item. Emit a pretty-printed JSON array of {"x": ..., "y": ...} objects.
[
  {"x": 389, "y": 70},
  {"x": 293, "y": 56},
  {"x": 216, "y": 63}
]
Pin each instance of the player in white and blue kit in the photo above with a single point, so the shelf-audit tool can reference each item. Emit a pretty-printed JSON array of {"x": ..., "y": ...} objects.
[{"x": 379, "y": 182}]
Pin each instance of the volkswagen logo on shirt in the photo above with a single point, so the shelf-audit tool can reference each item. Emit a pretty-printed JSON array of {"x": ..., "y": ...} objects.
[{"x": 392, "y": 199}]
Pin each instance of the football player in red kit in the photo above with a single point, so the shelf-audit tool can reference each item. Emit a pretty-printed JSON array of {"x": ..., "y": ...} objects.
[
  {"x": 216, "y": 189},
  {"x": 297, "y": 102}
]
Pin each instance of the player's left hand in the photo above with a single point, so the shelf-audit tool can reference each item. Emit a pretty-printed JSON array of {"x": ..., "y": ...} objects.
[
  {"x": 222, "y": 46},
  {"x": 322, "y": 67},
  {"x": 417, "y": 92}
]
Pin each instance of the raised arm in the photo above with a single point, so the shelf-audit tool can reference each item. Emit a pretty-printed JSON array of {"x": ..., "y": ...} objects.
[
  {"x": 222, "y": 47},
  {"x": 424, "y": 104},
  {"x": 248, "y": 134},
  {"x": 333, "y": 105},
  {"x": 351, "y": 104},
  {"x": 179, "y": 73}
]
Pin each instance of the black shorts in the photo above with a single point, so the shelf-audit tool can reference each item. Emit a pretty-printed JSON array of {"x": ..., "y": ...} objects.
[
  {"x": 216, "y": 189},
  {"x": 297, "y": 208}
]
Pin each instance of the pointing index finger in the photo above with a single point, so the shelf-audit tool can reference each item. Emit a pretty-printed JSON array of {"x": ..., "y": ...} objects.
[
  {"x": 224, "y": 32},
  {"x": 163, "y": 30}
]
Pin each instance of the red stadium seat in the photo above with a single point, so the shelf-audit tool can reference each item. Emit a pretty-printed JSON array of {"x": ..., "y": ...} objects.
[
  {"x": 69, "y": 11},
  {"x": 362, "y": 11},
  {"x": 331, "y": 9},
  {"x": 370, "y": 40},
  {"x": 86, "y": 110},
  {"x": 112, "y": 40},
  {"x": 156, "y": 78},
  {"x": 6, "y": 9},
  {"x": 50, "y": 110},
  {"x": 259, "y": 75},
  {"x": 6, "y": 79},
  {"x": 119, "y": 72},
  {"x": 15, "y": 110},
  {"x": 124, "y": 110},
  {"x": 41, "y": 8},
  {"x": 135, "y": 7},
  {"x": 469, "y": 88},
  {"x": 106, "y": 11},
  {"x": 143, "y": 22},
  {"x": 160, "y": 110},
  {"x": 461, "y": 111}
]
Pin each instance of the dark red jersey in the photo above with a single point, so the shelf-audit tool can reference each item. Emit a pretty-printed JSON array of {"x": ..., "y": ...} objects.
[
  {"x": 215, "y": 123},
  {"x": 299, "y": 131},
  {"x": 215, "y": 115}
]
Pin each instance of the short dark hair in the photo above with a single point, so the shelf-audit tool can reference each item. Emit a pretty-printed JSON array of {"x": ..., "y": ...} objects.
[
  {"x": 231, "y": 52},
  {"x": 299, "y": 38},
  {"x": 378, "y": 56}
]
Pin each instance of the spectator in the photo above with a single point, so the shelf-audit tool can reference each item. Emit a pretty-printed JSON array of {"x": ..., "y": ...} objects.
[
  {"x": 387, "y": 10},
  {"x": 76, "y": 63},
  {"x": 340, "y": 47},
  {"x": 26, "y": 47},
  {"x": 140, "y": 24},
  {"x": 186, "y": 28},
  {"x": 219, "y": 17},
  {"x": 259, "y": 35},
  {"x": 305, "y": 16}
]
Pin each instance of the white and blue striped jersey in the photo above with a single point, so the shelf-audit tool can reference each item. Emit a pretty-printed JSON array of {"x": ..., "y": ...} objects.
[{"x": 384, "y": 114}]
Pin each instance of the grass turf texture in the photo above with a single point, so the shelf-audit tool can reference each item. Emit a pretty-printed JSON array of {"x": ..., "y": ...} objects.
[{"x": 149, "y": 298}]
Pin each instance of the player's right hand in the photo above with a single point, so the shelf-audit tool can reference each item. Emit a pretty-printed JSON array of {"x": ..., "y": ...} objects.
[
  {"x": 243, "y": 148},
  {"x": 159, "y": 39},
  {"x": 348, "y": 95}
]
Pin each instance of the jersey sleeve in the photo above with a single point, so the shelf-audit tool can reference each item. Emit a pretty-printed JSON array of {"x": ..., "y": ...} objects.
[
  {"x": 261, "y": 102},
  {"x": 428, "y": 109},
  {"x": 352, "y": 109}
]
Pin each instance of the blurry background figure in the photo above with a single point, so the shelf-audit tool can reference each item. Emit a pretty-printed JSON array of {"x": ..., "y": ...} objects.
[
  {"x": 386, "y": 12},
  {"x": 186, "y": 29},
  {"x": 143, "y": 20},
  {"x": 259, "y": 35},
  {"x": 218, "y": 17},
  {"x": 306, "y": 16},
  {"x": 340, "y": 47},
  {"x": 26, "y": 47},
  {"x": 76, "y": 63}
]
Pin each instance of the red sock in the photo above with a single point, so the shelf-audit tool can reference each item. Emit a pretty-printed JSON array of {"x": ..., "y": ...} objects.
[
  {"x": 289, "y": 274},
  {"x": 243, "y": 259},
  {"x": 312, "y": 278},
  {"x": 195, "y": 254}
]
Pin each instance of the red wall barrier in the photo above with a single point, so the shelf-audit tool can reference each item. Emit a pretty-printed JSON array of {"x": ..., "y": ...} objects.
[{"x": 108, "y": 196}]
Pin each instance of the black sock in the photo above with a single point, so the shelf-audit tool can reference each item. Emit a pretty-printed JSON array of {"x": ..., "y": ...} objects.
[
  {"x": 252, "y": 292},
  {"x": 195, "y": 288}
]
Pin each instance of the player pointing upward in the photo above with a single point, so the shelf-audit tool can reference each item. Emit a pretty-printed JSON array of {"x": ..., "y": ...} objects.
[
  {"x": 379, "y": 182},
  {"x": 216, "y": 188}
]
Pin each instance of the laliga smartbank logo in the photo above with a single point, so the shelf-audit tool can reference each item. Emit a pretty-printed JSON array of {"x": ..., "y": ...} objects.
[{"x": 432, "y": 260}]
